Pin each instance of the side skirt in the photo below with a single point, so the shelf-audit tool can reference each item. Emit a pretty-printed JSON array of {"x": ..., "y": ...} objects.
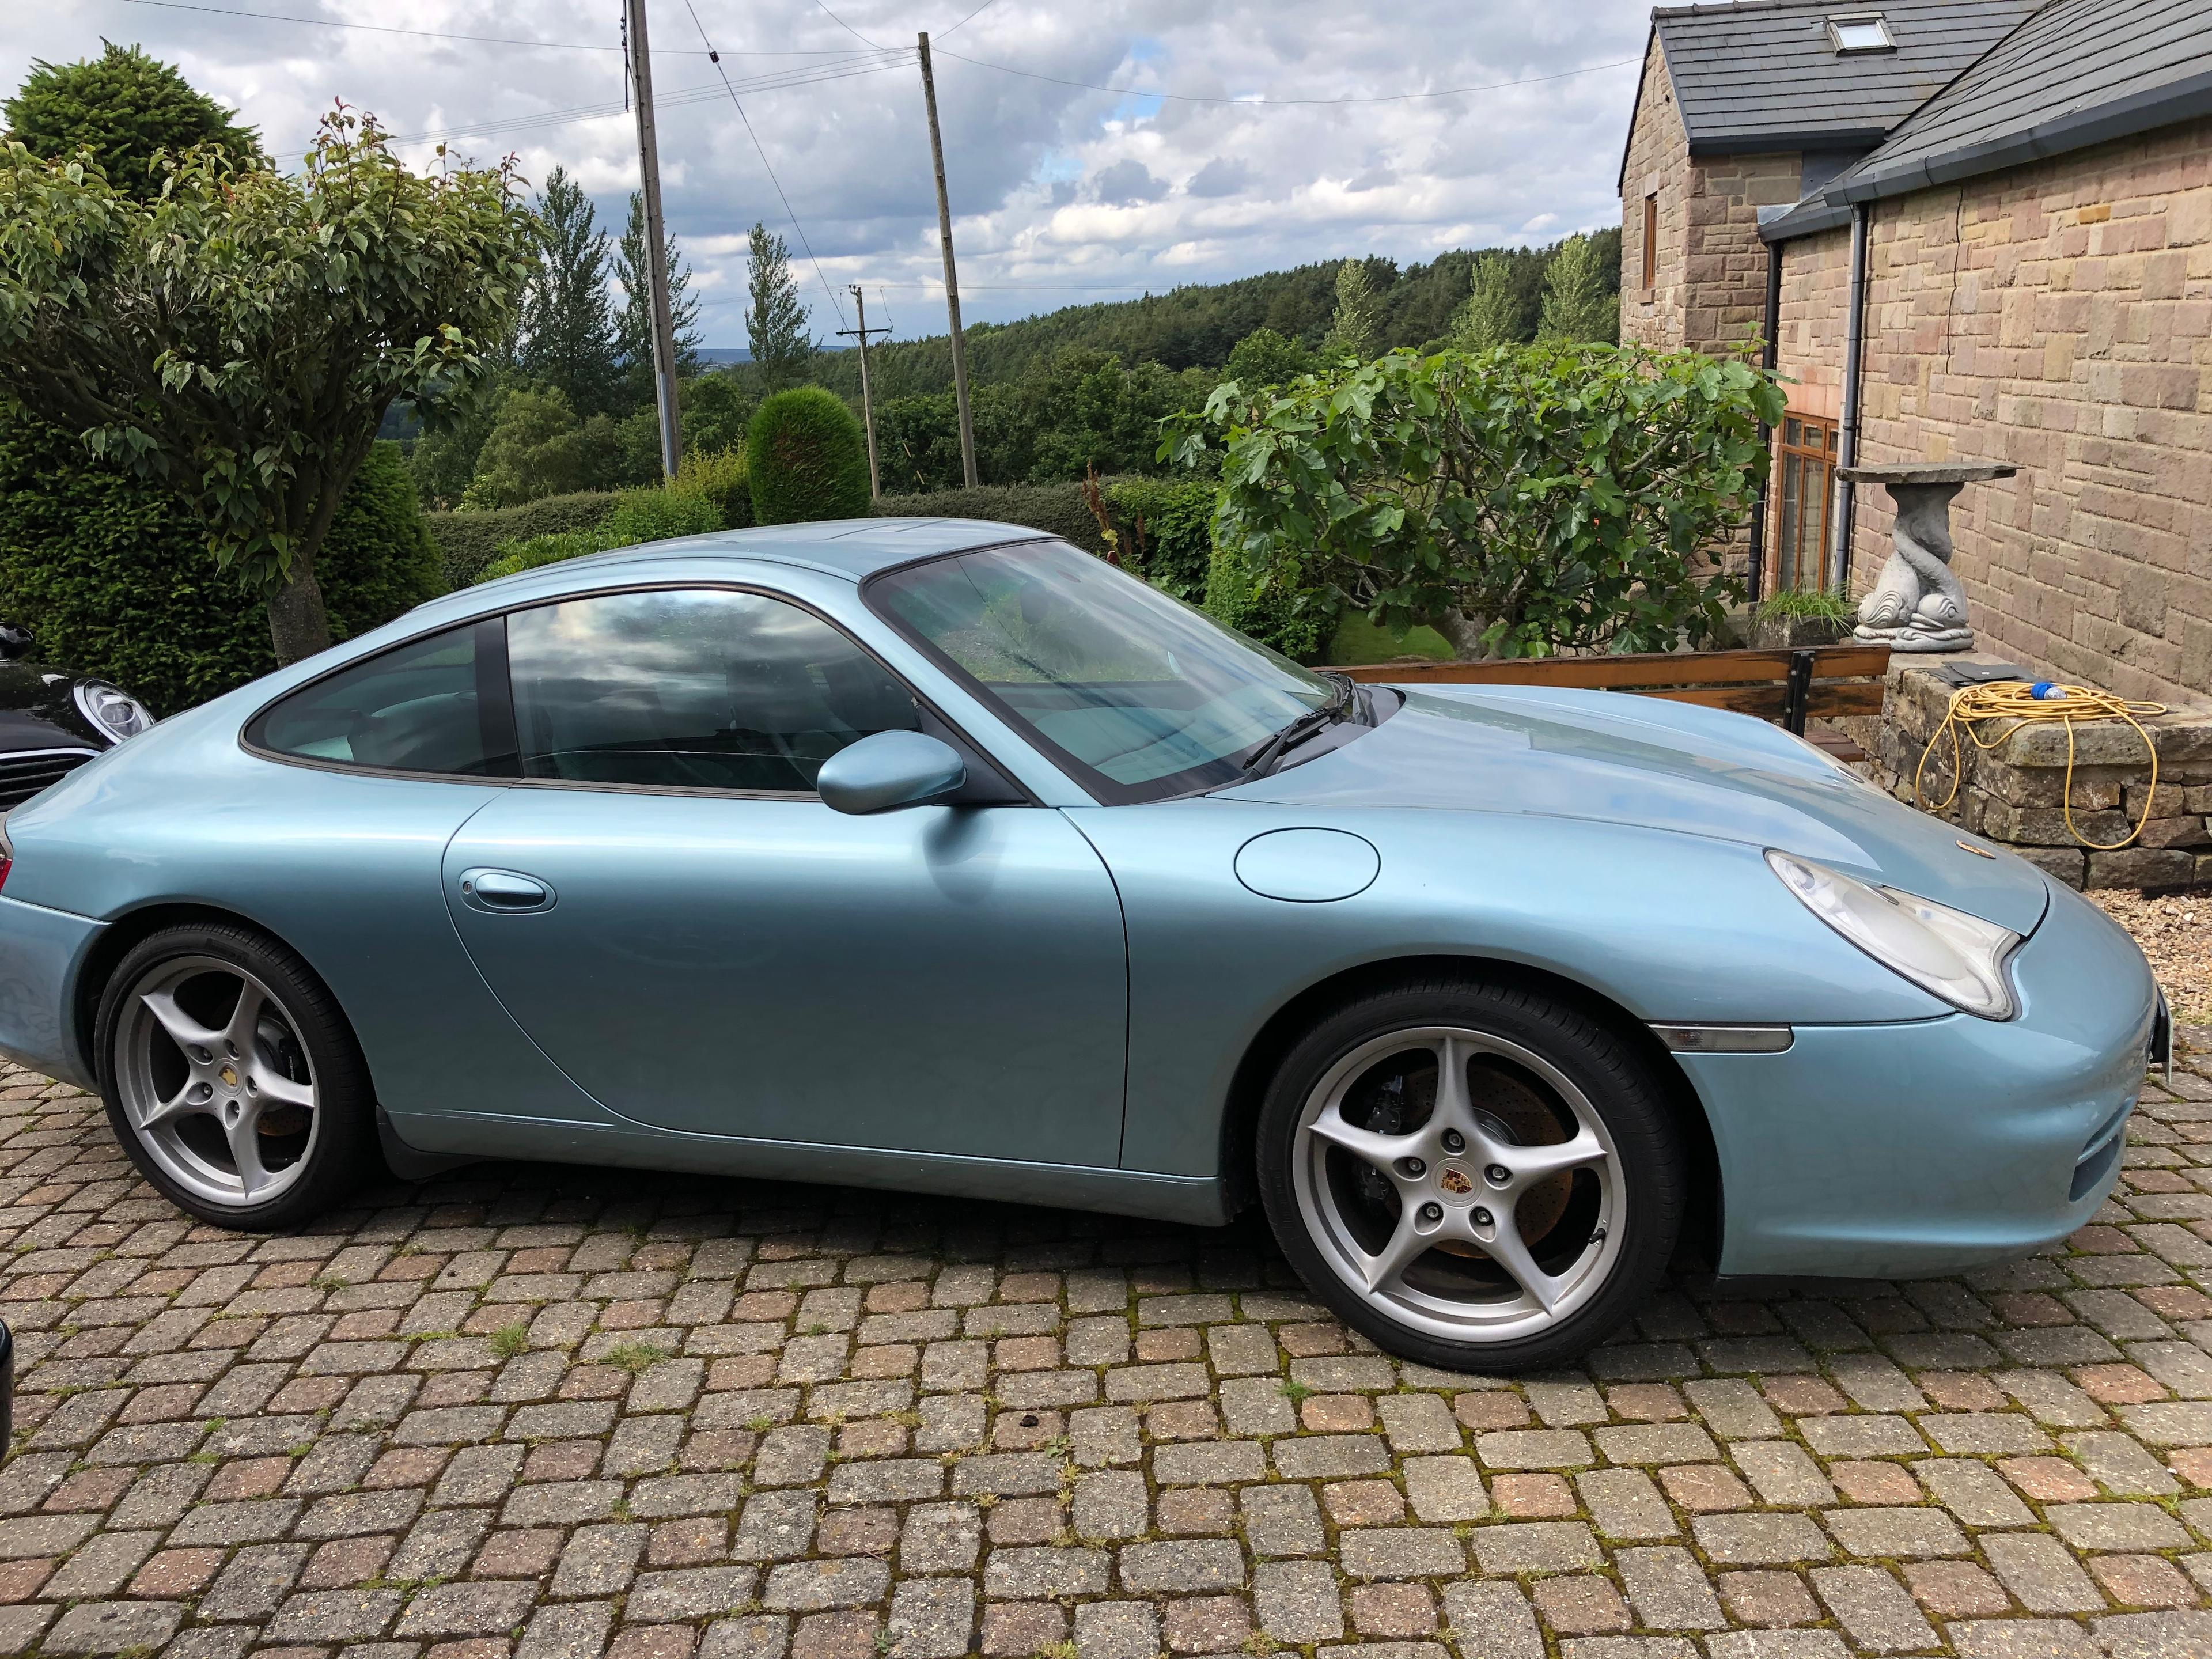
[{"x": 1198, "y": 1200}]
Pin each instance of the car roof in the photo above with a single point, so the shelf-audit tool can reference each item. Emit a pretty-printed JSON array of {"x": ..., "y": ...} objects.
[{"x": 857, "y": 548}]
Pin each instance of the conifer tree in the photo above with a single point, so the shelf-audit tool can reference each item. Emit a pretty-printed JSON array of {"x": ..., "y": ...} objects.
[
  {"x": 568, "y": 338},
  {"x": 1490, "y": 314},
  {"x": 776, "y": 322},
  {"x": 125, "y": 107},
  {"x": 1356, "y": 331},
  {"x": 633, "y": 324},
  {"x": 1576, "y": 303}
]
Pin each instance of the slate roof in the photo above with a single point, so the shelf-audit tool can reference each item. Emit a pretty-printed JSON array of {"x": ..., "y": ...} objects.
[
  {"x": 2076, "y": 73},
  {"x": 1764, "y": 75}
]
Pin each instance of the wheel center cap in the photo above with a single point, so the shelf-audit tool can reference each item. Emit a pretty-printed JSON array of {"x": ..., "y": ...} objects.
[
  {"x": 229, "y": 1076},
  {"x": 1454, "y": 1181}
]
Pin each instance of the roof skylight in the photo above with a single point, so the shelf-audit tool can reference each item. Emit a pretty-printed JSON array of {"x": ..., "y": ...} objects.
[{"x": 1862, "y": 31}]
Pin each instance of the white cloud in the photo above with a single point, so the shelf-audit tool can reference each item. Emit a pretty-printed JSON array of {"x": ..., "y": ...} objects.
[{"x": 1061, "y": 195}]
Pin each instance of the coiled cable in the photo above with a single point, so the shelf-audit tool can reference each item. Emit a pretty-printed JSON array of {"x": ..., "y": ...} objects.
[{"x": 2019, "y": 703}]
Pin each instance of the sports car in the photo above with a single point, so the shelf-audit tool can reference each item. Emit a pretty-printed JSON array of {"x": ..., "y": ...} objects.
[{"x": 941, "y": 855}]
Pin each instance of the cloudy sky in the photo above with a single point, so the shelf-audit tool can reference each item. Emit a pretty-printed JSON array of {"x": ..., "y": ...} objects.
[{"x": 1131, "y": 151}]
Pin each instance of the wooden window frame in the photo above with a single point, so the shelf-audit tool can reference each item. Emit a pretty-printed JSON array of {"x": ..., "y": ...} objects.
[
  {"x": 1804, "y": 448},
  {"x": 1651, "y": 241}
]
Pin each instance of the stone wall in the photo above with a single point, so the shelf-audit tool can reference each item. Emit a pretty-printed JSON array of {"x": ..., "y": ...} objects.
[
  {"x": 1709, "y": 291},
  {"x": 2058, "y": 316},
  {"x": 2014, "y": 792}
]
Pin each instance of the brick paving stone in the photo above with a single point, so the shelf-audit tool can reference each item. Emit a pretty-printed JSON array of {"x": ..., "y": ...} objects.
[{"x": 748, "y": 1421}]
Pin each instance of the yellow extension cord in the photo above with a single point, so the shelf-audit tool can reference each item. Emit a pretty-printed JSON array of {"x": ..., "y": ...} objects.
[{"x": 2015, "y": 701}]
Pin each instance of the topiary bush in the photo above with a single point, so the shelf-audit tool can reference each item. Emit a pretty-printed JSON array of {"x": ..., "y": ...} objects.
[
  {"x": 113, "y": 577},
  {"x": 467, "y": 542},
  {"x": 807, "y": 458},
  {"x": 639, "y": 515}
]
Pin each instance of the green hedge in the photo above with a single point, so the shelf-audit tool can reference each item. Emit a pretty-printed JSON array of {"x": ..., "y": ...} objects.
[
  {"x": 639, "y": 515},
  {"x": 1170, "y": 521},
  {"x": 113, "y": 578},
  {"x": 1271, "y": 617},
  {"x": 467, "y": 542},
  {"x": 1056, "y": 509}
]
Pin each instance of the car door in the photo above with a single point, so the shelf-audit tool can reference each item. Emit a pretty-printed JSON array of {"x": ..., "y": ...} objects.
[{"x": 670, "y": 913}]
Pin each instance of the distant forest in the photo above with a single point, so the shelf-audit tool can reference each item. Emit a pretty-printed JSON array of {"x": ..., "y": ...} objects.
[{"x": 1196, "y": 326}]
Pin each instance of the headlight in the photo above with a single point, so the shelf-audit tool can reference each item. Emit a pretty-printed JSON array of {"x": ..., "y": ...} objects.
[
  {"x": 111, "y": 710},
  {"x": 1956, "y": 956}
]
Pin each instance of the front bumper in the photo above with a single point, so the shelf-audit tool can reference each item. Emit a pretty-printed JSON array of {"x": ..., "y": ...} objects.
[
  {"x": 1893, "y": 1150},
  {"x": 42, "y": 953}
]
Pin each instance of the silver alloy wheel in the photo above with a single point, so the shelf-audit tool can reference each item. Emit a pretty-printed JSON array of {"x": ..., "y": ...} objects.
[
  {"x": 216, "y": 1082},
  {"x": 1453, "y": 1261}
]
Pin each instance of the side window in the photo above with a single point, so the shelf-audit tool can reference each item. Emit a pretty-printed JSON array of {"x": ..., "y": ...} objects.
[
  {"x": 692, "y": 688},
  {"x": 435, "y": 705}
]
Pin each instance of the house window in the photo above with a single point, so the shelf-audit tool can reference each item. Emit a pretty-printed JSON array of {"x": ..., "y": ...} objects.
[
  {"x": 1805, "y": 456},
  {"x": 1867, "y": 32},
  {"x": 1650, "y": 239}
]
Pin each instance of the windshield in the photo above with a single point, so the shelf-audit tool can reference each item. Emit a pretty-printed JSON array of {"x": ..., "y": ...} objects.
[{"x": 1139, "y": 695}]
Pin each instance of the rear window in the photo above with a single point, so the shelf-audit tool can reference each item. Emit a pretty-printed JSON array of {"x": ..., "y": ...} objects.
[{"x": 434, "y": 705}]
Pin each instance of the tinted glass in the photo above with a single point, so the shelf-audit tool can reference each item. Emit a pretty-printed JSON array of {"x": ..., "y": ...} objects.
[
  {"x": 694, "y": 689},
  {"x": 414, "y": 710},
  {"x": 1143, "y": 696}
]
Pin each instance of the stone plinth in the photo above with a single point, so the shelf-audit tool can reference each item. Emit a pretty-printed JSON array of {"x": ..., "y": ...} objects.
[
  {"x": 2014, "y": 794},
  {"x": 1916, "y": 604}
]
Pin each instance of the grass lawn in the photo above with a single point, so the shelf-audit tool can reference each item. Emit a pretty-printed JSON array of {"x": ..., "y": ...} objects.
[{"x": 1358, "y": 641}]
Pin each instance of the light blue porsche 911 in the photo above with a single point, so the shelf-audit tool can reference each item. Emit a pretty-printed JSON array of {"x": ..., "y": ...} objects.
[{"x": 942, "y": 855}]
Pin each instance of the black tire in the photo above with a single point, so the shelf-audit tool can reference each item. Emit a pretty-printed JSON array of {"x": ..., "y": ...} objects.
[
  {"x": 340, "y": 1147},
  {"x": 1646, "y": 1166}
]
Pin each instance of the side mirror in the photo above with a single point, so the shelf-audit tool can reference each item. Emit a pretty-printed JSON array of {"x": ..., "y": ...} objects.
[{"x": 891, "y": 770}]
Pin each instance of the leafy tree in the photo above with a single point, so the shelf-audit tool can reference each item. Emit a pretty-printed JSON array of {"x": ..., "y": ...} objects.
[
  {"x": 775, "y": 323},
  {"x": 534, "y": 449},
  {"x": 1578, "y": 305},
  {"x": 1553, "y": 497},
  {"x": 714, "y": 410},
  {"x": 807, "y": 458},
  {"x": 1490, "y": 315},
  {"x": 567, "y": 336},
  {"x": 127, "y": 108},
  {"x": 634, "y": 324},
  {"x": 1356, "y": 331},
  {"x": 442, "y": 463},
  {"x": 240, "y": 336},
  {"x": 1264, "y": 357}
]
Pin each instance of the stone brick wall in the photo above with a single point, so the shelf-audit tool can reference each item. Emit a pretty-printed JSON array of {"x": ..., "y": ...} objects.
[
  {"x": 1710, "y": 286},
  {"x": 2058, "y": 316},
  {"x": 1658, "y": 163},
  {"x": 2015, "y": 792}
]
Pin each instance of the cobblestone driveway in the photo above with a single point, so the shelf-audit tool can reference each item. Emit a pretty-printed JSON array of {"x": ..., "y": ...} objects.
[{"x": 536, "y": 1411}]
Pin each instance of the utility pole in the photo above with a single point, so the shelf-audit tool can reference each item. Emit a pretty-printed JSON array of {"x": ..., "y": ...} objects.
[
  {"x": 656, "y": 240},
  {"x": 867, "y": 403},
  {"x": 951, "y": 281}
]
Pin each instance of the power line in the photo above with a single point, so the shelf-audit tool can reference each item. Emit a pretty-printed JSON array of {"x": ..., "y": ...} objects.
[
  {"x": 435, "y": 35},
  {"x": 1384, "y": 97},
  {"x": 846, "y": 27},
  {"x": 760, "y": 149},
  {"x": 969, "y": 19}
]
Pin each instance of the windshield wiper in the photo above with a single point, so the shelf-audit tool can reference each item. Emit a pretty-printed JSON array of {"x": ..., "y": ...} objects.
[{"x": 1328, "y": 713}]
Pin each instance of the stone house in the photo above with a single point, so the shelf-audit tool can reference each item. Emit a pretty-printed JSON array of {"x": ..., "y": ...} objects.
[{"x": 1964, "y": 230}]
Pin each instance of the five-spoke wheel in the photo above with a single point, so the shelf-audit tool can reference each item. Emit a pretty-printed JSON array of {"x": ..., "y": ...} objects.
[
  {"x": 1470, "y": 1174},
  {"x": 229, "y": 1078}
]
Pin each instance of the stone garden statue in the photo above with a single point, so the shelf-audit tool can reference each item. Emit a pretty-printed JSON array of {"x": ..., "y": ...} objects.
[{"x": 1915, "y": 602}]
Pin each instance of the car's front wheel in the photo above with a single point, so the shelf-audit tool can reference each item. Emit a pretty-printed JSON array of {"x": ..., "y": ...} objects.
[
  {"x": 1476, "y": 1177},
  {"x": 232, "y": 1079}
]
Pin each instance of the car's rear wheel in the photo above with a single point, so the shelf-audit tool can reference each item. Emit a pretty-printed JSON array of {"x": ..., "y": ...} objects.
[
  {"x": 232, "y": 1079},
  {"x": 1475, "y": 1177}
]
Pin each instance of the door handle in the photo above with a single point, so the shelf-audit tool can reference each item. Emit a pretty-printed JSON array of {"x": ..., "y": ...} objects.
[{"x": 504, "y": 890}]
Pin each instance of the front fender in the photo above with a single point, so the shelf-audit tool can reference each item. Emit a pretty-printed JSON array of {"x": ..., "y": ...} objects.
[{"x": 1673, "y": 927}]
